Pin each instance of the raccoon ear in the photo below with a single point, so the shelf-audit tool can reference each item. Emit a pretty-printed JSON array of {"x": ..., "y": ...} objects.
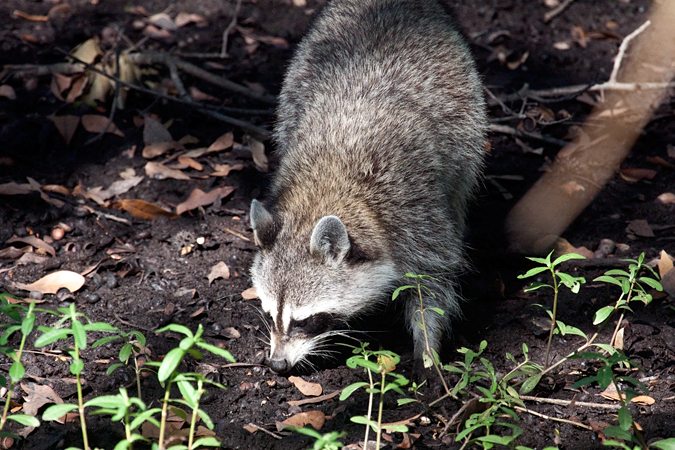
[
  {"x": 264, "y": 227},
  {"x": 330, "y": 239}
]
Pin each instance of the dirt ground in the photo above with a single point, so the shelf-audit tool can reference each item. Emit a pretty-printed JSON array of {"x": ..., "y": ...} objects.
[{"x": 144, "y": 274}]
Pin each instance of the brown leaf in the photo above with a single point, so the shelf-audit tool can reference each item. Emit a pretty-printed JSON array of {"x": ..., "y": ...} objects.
[
  {"x": 190, "y": 162},
  {"x": 119, "y": 187},
  {"x": 160, "y": 172},
  {"x": 7, "y": 91},
  {"x": 200, "y": 198},
  {"x": 200, "y": 96},
  {"x": 408, "y": 440},
  {"x": 154, "y": 131},
  {"x": 307, "y": 388},
  {"x": 183, "y": 19},
  {"x": 13, "y": 252},
  {"x": 50, "y": 284},
  {"x": 638, "y": 174},
  {"x": 660, "y": 162},
  {"x": 56, "y": 188},
  {"x": 222, "y": 143},
  {"x": 162, "y": 20},
  {"x": 31, "y": 17},
  {"x": 35, "y": 242},
  {"x": 668, "y": 282},
  {"x": 95, "y": 123},
  {"x": 313, "y": 418},
  {"x": 258, "y": 151},
  {"x": 13, "y": 188},
  {"x": 249, "y": 294},
  {"x": 143, "y": 210},
  {"x": 643, "y": 400},
  {"x": 37, "y": 396},
  {"x": 640, "y": 227},
  {"x": 156, "y": 33},
  {"x": 220, "y": 270},
  {"x": 665, "y": 263},
  {"x": 667, "y": 198},
  {"x": 223, "y": 170},
  {"x": 66, "y": 125},
  {"x": 77, "y": 89},
  {"x": 158, "y": 148}
]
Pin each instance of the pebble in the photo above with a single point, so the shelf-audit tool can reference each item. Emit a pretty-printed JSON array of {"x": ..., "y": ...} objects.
[
  {"x": 35, "y": 295},
  {"x": 92, "y": 298}
]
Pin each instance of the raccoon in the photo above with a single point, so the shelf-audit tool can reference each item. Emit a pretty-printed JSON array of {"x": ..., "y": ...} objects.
[{"x": 381, "y": 134}]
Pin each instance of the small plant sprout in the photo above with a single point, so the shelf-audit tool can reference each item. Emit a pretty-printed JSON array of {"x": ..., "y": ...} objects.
[
  {"x": 328, "y": 441},
  {"x": 24, "y": 324},
  {"x": 631, "y": 290},
  {"x": 559, "y": 278},
  {"x": 384, "y": 364},
  {"x": 430, "y": 357},
  {"x": 78, "y": 331},
  {"x": 134, "y": 341},
  {"x": 168, "y": 374}
]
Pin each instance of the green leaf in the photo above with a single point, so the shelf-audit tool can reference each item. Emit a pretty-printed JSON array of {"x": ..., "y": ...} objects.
[
  {"x": 170, "y": 364},
  {"x": 567, "y": 257},
  {"x": 105, "y": 401},
  {"x": 544, "y": 261},
  {"x": 17, "y": 371},
  {"x": 399, "y": 428},
  {"x": 530, "y": 384},
  {"x": 618, "y": 272},
  {"x": 216, "y": 351},
  {"x": 651, "y": 283},
  {"x": 533, "y": 272},
  {"x": 306, "y": 431},
  {"x": 125, "y": 352},
  {"x": 606, "y": 279},
  {"x": 664, "y": 444},
  {"x": 618, "y": 432},
  {"x": 100, "y": 326},
  {"x": 79, "y": 334},
  {"x": 398, "y": 290},
  {"x": 602, "y": 314},
  {"x": 349, "y": 390},
  {"x": 145, "y": 416},
  {"x": 189, "y": 393},
  {"x": 52, "y": 335},
  {"x": 104, "y": 340},
  {"x": 536, "y": 285},
  {"x": 27, "y": 324},
  {"x": 25, "y": 420},
  {"x": 604, "y": 377},
  {"x": 178, "y": 329},
  {"x": 113, "y": 367},
  {"x": 625, "y": 419},
  {"x": 205, "y": 418},
  {"x": 55, "y": 412},
  {"x": 208, "y": 441},
  {"x": 76, "y": 366},
  {"x": 606, "y": 347},
  {"x": 405, "y": 401},
  {"x": 436, "y": 310}
]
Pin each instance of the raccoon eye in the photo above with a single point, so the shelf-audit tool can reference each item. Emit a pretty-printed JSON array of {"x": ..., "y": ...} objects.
[{"x": 301, "y": 323}]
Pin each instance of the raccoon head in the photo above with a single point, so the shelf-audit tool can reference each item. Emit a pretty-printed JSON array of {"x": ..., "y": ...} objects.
[{"x": 310, "y": 284}]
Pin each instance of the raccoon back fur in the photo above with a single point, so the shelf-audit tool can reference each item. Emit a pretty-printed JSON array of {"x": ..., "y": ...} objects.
[{"x": 381, "y": 132}]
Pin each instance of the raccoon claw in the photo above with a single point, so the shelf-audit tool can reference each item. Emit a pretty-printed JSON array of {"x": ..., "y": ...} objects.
[{"x": 279, "y": 365}]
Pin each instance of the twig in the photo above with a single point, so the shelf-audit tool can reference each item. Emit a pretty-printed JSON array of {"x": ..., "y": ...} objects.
[
  {"x": 622, "y": 51},
  {"x": 230, "y": 26},
  {"x": 557, "y": 10},
  {"x": 274, "y": 435},
  {"x": 495, "y": 128},
  {"x": 239, "y": 235},
  {"x": 318, "y": 399},
  {"x": 556, "y": 401},
  {"x": 544, "y": 416}
]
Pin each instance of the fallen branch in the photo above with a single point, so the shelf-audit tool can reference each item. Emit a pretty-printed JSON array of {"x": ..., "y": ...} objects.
[
  {"x": 544, "y": 416},
  {"x": 503, "y": 129},
  {"x": 555, "y": 401},
  {"x": 230, "y": 27},
  {"x": 257, "y": 427}
]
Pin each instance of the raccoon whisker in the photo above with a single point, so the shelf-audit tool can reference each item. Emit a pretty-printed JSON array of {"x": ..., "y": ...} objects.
[
  {"x": 264, "y": 320},
  {"x": 265, "y": 340}
]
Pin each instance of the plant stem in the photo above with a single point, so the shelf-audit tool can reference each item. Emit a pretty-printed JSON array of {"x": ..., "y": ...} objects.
[
  {"x": 370, "y": 405},
  {"x": 636, "y": 429},
  {"x": 553, "y": 315},
  {"x": 379, "y": 414},
  {"x": 80, "y": 403},
  {"x": 165, "y": 406},
  {"x": 138, "y": 377},
  {"x": 426, "y": 339}
]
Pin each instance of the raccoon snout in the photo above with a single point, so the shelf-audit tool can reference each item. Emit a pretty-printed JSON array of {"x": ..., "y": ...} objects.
[{"x": 280, "y": 365}]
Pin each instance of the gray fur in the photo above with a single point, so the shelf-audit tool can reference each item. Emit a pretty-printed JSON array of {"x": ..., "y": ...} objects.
[{"x": 382, "y": 125}]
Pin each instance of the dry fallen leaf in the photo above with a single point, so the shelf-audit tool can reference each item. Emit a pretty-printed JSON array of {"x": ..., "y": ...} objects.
[
  {"x": 631, "y": 174},
  {"x": 189, "y": 162},
  {"x": 160, "y": 172},
  {"x": 640, "y": 227},
  {"x": 95, "y": 123},
  {"x": 667, "y": 198},
  {"x": 37, "y": 396},
  {"x": 220, "y": 270},
  {"x": 643, "y": 400},
  {"x": 143, "y": 210},
  {"x": 13, "y": 188},
  {"x": 249, "y": 294},
  {"x": 307, "y": 388},
  {"x": 199, "y": 198},
  {"x": 668, "y": 282},
  {"x": 154, "y": 131},
  {"x": 66, "y": 125},
  {"x": 7, "y": 91},
  {"x": 183, "y": 19},
  {"x": 665, "y": 263},
  {"x": 50, "y": 284},
  {"x": 258, "y": 151},
  {"x": 158, "y": 148},
  {"x": 223, "y": 170},
  {"x": 119, "y": 187},
  {"x": 200, "y": 96},
  {"x": 162, "y": 20},
  {"x": 313, "y": 418},
  {"x": 35, "y": 242},
  {"x": 222, "y": 143}
]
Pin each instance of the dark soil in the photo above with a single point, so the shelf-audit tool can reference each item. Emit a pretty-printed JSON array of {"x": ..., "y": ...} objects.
[{"x": 141, "y": 274}]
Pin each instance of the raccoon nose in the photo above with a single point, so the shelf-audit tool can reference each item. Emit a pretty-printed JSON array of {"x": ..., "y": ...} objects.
[{"x": 280, "y": 365}]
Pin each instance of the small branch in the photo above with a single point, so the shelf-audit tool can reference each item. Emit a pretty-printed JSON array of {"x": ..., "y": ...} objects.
[
  {"x": 274, "y": 435},
  {"x": 495, "y": 128},
  {"x": 226, "y": 33},
  {"x": 622, "y": 51},
  {"x": 544, "y": 416},
  {"x": 557, "y": 10},
  {"x": 555, "y": 401}
]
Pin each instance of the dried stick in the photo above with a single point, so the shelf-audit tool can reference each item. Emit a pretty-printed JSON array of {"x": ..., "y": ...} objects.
[
  {"x": 557, "y": 10},
  {"x": 257, "y": 427},
  {"x": 544, "y": 416},
  {"x": 495, "y": 128},
  {"x": 622, "y": 51},
  {"x": 226, "y": 33},
  {"x": 556, "y": 401}
]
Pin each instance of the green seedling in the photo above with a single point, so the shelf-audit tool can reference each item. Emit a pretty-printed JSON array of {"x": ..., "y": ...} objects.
[
  {"x": 328, "y": 441},
  {"x": 25, "y": 325},
  {"x": 78, "y": 331},
  {"x": 559, "y": 279},
  {"x": 381, "y": 362},
  {"x": 133, "y": 343}
]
